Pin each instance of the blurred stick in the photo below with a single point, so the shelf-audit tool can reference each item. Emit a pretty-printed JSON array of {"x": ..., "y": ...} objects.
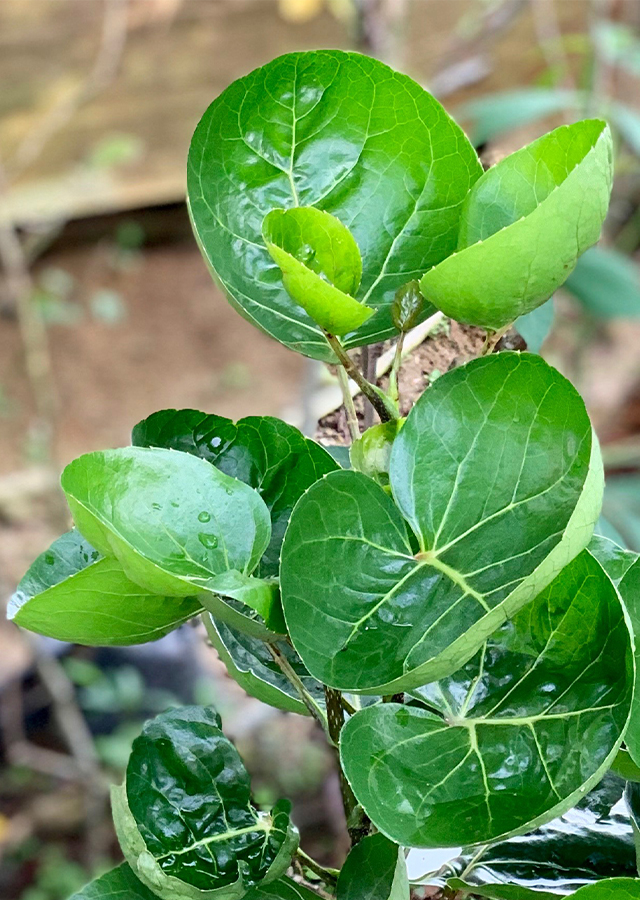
[{"x": 550, "y": 41}]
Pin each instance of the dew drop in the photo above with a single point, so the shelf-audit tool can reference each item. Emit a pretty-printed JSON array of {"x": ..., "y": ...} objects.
[
  {"x": 305, "y": 254},
  {"x": 216, "y": 441},
  {"x": 210, "y": 541},
  {"x": 155, "y": 506},
  {"x": 174, "y": 504},
  {"x": 204, "y": 516}
]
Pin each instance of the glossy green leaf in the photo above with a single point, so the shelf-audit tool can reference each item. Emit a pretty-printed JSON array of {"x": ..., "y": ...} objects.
[
  {"x": 250, "y": 663},
  {"x": 497, "y": 475},
  {"x": 517, "y": 735},
  {"x": 535, "y": 326},
  {"x": 591, "y": 842},
  {"x": 408, "y": 306},
  {"x": 283, "y": 889},
  {"x": 607, "y": 284},
  {"x": 374, "y": 870},
  {"x": 611, "y": 889},
  {"x": 524, "y": 225},
  {"x": 118, "y": 884},
  {"x": 172, "y": 521},
  {"x": 499, "y": 891},
  {"x": 625, "y": 767},
  {"x": 629, "y": 588},
  {"x": 615, "y": 560},
  {"x": 264, "y": 452},
  {"x": 74, "y": 594},
  {"x": 321, "y": 265},
  {"x": 184, "y": 817},
  {"x": 371, "y": 453},
  {"x": 348, "y": 135}
]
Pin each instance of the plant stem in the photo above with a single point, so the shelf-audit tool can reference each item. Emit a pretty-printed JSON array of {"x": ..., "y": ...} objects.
[
  {"x": 395, "y": 369},
  {"x": 350, "y": 409},
  {"x": 492, "y": 338},
  {"x": 329, "y": 876},
  {"x": 292, "y": 676},
  {"x": 357, "y": 821},
  {"x": 382, "y": 404}
]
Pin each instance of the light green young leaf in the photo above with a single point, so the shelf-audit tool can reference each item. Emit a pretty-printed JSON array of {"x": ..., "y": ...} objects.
[
  {"x": 343, "y": 133},
  {"x": 118, "y": 884},
  {"x": 497, "y": 474},
  {"x": 184, "y": 817},
  {"x": 250, "y": 663},
  {"x": 516, "y": 736},
  {"x": 74, "y": 594},
  {"x": 375, "y": 869},
  {"x": 173, "y": 521},
  {"x": 321, "y": 265},
  {"x": 524, "y": 225}
]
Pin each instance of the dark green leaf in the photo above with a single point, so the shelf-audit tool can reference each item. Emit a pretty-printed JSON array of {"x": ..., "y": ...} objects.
[
  {"x": 606, "y": 283},
  {"x": 524, "y": 225},
  {"x": 611, "y": 889},
  {"x": 374, "y": 870},
  {"x": 613, "y": 558},
  {"x": 283, "y": 889},
  {"x": 499, "y": 891},
  {"x": 629, "y": 588},
  {"x": 364, "y": 611},
  {"x": 536, "y": 325},
  {"x": 250, "y": 663},
  {"x": 321, "y": 265},
  {"x": 523, "y": 731},
  {"x": 118, "y": 884},
  {"x": 495, "y": 114},
  {"x": 172, "y": 521},
  {"x": 264, "y": 452},
  {"x": 74, "y": 594},
  {"x": 343, "y": 133},
  {"x": 184, "y": 817},
  {"x": 625, "y": 767}
]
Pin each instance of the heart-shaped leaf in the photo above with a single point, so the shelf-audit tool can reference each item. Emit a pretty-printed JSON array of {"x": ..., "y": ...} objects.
[
  {"x": 118, "y": 884},
  {"x": 524, "y": 225},
  {"x": 321, "y": 265},
  {"x": 496, "y": 472},
  {"x": 374, "y": 870},
  {"x": 172, "y": 521},
  {"x": 184, "y": 817},
  {"x": 74, "y": 594},
  {"x": 516, "y": 736},
  {"x": 629, "y": 588},
  {"x": 266, "y": 453},
  {"x": 348, "y": 135},
  {"x": 250, "y": 663}
]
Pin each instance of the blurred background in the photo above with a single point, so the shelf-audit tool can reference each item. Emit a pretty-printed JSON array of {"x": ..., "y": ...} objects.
[{"x": 107, "y": 313}]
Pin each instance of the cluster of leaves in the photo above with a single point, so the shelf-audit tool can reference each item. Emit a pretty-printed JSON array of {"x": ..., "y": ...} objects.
[{"x": 439, "y": 605}]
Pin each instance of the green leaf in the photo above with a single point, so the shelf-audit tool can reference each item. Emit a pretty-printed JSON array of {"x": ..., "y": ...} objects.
[
  {"x": 536, "y": 325},
  {"x": 321, "y": 265},
  {"x": 371, "y": 453},
  {"x": 615, "y": 560},
  {"x": 374, "y": 870},
  {"x": 629, "y": 588},
  {"x": 348, "y": 135},
  {"x": 408, "y": 306},
  {"x": 250, "y": 663},
  {"x": 611, "y": 889},
  {"x": 606, "y": 283},
  {"x": 266, "y": 453},
  {"x": 172, "y": 521},
  {"x": 118, "y": 884},
  {"x": 520, "y": 733},
  {"x": 184, "y": 817},
  {"x": 625, "y": 767},
  {"x": 494, "y": 114},
  {"x": 74, "y": 594},
  {"x": 366, "y": 612},
  {"x": 499, "y": 891},
  {"x": 283, "y": 889},
  {"x": 524, "y": 225}
]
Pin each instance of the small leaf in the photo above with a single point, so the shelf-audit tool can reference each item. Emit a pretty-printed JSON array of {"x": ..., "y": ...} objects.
[
  {"x": 374, "y": 870},
  {"x": 263, "y": 452},
  {"x": 365, "y": 611},
  {"x": 250, "y": 663},
  {"x": 520, "y": 733},
  {"x": 172, "y": 521},
  {"x": 409, "y": 307},
  {"x": 606, "y": 283},
  {"x": 320, "y": 263},
  {"x": 346, "y": 134},
  {"x": 184, "y": 817},
  {"x": 74, "y": 594},
  {"x": 371, "y": 453},
  {"x": 118, "y": 884},
  {"x": 524, "y": 225}
]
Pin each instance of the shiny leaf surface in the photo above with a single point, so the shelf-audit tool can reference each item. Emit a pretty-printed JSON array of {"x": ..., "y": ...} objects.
[
  {"x": 498, "y": 891},
  {"x": 348, "y": 135},
  {"x": 250, "y": 663},
  {"x": 171, "y": 520},
  {"x": 516, "y": 736},
  {"x": 74, "y": 594},
  {"x": 118, "y": 884},
  {"x": 267, "y": 454},
  {"x": 496, "y": 473},
  {"x": 283, "y": 889},
  {"x": 374, "y": 870},
  {"x": 524, "y": 225},
  {"x": 629, "y": 588},
  {"x": 371, "y": 453},
  {"x": 321, "y": 265},
  {"x": 615, "y": 560},
  {"x": 184, "y": 817}
]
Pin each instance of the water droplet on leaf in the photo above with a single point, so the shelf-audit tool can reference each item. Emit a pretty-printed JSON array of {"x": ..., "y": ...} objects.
[
  {"x": 204, "y": 516},
  {"x": 210, "y": 541}
]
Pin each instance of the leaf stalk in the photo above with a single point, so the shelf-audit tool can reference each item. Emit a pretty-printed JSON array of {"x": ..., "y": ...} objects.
[{"x": 383, "y": 405}]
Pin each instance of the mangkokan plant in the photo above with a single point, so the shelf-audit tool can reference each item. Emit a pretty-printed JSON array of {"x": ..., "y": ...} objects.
[{"x": 438, "y": 604}]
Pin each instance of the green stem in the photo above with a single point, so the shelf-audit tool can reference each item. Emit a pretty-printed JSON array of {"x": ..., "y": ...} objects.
[
  {"x": 350, "y": 409},
  {"x": 292, "y": 676},
  {"x": 383, "y": 405},
  {"x": 492, "y": 338},
  {"x": 395, "y": 369},
  {"x": 329, "y": 876},
  {"x": 357, "y": 821}
]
